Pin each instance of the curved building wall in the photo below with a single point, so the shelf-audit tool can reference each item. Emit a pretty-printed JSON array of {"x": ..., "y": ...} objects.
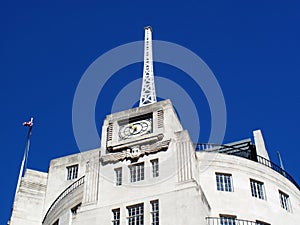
[
  {"x": 239, "y": 202},
  {"x": 63, "y": 209}
]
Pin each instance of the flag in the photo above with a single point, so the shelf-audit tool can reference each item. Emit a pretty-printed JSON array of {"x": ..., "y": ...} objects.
[{"x": 29, "y": 123}]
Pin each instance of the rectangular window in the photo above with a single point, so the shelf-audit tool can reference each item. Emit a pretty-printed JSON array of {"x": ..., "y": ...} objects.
[
  {"x": 118, "y": 176},
  {"x": 155, "y": 167},
  {"x": 136, "y": 172},
  {"x": 116, "y": 217},
  {"x": 261, "y": 223},
  {"x": 155, "y": 212},
  {"x": 136, "y": 214},
  {"x": 75, "y": 209},
  {"x": 224, "y": 182},
  {"x": 72, "y": 172},
  {"x": 227, "y": 220},
  {"x": 257, "y": 189},
  {"x": 285, "y": 201}
]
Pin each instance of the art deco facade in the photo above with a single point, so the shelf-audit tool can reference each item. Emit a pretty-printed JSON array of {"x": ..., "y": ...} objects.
[{"x": 148, "y": 171}]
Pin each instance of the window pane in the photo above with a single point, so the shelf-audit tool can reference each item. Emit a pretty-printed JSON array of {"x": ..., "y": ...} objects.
[
  {"x": 285, "y": 201},
  {"x": 136, "y": 214},
  {"x": 155, "y": 168},
  {"x": 118, "y": 176},
  {"x": 224, "y": 182},
  {"x": 227, "y": 220},
  {"x": 261, "y": 223},
  {"x": 72, "y": 172},
  {"x": 155, "y": 212},
  {"x": 257, "y": 189},
  {"x": 136, "y": 172},
  {"x": 116, "y": 217}
]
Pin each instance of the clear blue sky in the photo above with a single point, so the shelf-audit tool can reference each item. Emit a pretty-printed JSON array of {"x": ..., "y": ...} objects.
[{"x": 252, "y": 48}]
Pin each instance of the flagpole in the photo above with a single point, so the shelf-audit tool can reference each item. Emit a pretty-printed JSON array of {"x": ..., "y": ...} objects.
[{"x": 25, "y": 156}]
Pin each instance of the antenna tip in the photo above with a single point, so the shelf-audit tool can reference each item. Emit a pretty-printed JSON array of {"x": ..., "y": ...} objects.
[{"x": 148, "y": 27}]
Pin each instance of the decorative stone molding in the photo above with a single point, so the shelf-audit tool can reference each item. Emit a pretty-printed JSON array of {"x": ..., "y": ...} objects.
[
  {"x": 150, "y": 138},
  {"x": 135, "y": 152}
]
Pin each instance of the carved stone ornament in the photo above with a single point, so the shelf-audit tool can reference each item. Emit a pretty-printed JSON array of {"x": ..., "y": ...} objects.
[{"x": 135, "y": 152}]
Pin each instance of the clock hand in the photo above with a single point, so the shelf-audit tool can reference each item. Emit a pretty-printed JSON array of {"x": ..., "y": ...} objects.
[{"x": 133, "y": 127}]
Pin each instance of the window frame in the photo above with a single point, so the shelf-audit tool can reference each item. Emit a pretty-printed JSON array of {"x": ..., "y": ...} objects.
[
  {"x": 258, "y": 189},
  {"x": 136, "y": 214},
  {"x": 74, "y": 209},
  {"x": 56, "y": 222},
  {"x": 118, "y": 176},
  {"x": 223, "y": 183},
  {"x": 116, "y": 216},
  {"x": 155, "y": 167},
  {"x": 137, "y": 172},
  {"x": 72, "y": 171},
  {"x": 258, "y": 222},
  {"x": 229, "y": 219},
  {"x": 285, "y": 202},
  {"x": 154, "y": 212}
]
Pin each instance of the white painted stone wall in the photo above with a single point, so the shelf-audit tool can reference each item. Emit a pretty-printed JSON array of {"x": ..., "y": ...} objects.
[
  {"x": 57, "y": 179},
  {"x": 29, "y": 200},
  {"x": 240, "y": 202}
]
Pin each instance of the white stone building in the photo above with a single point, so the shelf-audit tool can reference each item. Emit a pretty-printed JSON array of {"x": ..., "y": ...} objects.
[{"x": 148, "y": 171}]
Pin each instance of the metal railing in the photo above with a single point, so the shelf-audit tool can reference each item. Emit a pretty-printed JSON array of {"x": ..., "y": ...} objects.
[
  {"x": 66, "y": 192},
  {"x": 246, "y": 151},
  {"x": 242, "y": 148},
  {"x": 228, "y": 221},
  {"x": 277, "y": 168}
]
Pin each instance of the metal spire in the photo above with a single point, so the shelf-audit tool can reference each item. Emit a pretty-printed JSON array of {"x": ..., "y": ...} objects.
[{"x": 148, "y": 95}]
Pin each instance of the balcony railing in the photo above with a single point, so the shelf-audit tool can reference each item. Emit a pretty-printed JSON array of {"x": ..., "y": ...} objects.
[
  {"x": 277, "y": 168},
  {"x": 66, "y": 192},
  {"x": 245, "y": 150},
  {"x": 228, "y": 221}
]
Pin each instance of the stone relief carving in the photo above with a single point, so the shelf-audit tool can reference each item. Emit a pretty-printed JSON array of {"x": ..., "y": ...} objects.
[{"x": 135, "y": 152}]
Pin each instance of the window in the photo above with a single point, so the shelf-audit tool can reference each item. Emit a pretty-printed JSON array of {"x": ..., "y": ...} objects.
[
  {"x": 257, "y": 189},
  {"x": 136, "y": 172},
  {"x": 116, "y": 217},
  {"x": 155, "y": 168},
  {"x": 285, "y": 201},
  {"x": 118, "y": 176},
  {"x": 261, "y": 223},
  {"x": 72, "y": 172},
  {"x": 75, "y": 209},
  {"x": 224, "y": 182},
  {"x": 227, "y": 220},
  {"x": 155, "y": 212},
  {"x": 136, "y": 214}
]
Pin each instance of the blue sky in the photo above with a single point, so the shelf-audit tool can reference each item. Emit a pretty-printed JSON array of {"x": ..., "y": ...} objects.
[{"x": 45, "y": 48}]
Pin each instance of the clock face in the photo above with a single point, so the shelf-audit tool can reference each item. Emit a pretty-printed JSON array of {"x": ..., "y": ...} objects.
[{"x": 137, "y": 128}]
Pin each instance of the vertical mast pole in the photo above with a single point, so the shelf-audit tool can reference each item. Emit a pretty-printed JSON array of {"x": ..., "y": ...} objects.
[
  {"x": 25, "y": 156},
  {"x": 280, "y": 161}
]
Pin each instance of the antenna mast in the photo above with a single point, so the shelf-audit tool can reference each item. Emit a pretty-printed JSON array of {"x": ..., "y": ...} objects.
[{"x": 148, "y": 95}]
